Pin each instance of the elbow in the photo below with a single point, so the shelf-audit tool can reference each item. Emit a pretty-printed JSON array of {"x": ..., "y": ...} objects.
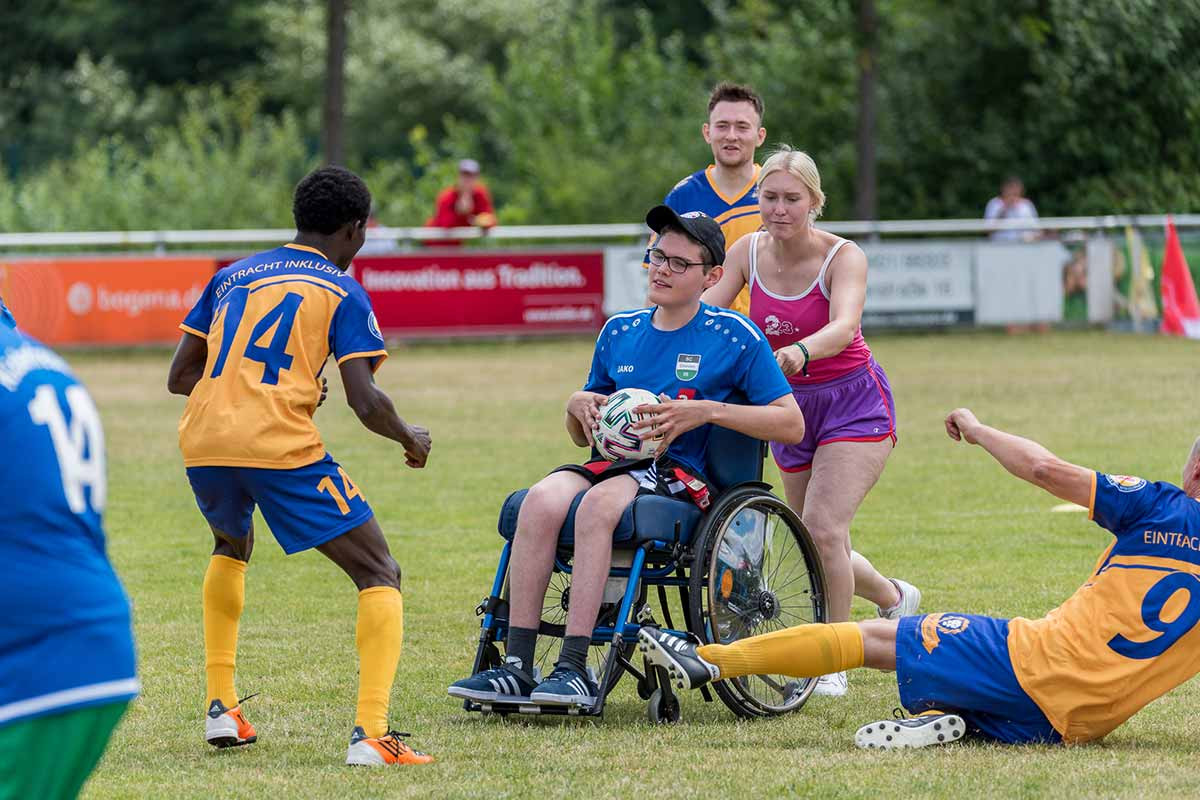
[
  {"x": 370, "y": 407},
  {"x": 794, "y": 429},
  {"x": 1042, "y": 470},
  {"x": 177, "y": 385}
]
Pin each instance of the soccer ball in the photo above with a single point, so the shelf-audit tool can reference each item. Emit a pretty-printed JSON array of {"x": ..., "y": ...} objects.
[{"x": 617, "y": 437}]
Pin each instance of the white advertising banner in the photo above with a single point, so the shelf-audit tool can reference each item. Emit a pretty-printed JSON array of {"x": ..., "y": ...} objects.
[
  {"x": 919, "y": 283},
  {"x": 625, "y": 279}
]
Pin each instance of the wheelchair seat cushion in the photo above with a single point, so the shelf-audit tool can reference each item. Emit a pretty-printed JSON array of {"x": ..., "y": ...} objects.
[{"x": 649, "y": 517}]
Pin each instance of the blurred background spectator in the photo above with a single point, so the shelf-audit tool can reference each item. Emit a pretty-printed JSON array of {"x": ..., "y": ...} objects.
[
  {"x": 466, "y": 204},
  {"x": 1011, "y": 203}
]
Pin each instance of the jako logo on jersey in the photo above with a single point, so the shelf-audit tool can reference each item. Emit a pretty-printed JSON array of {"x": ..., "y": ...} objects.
[
  {"x": 1125, "y": 483},
  {"x": 623, "y": 368},
  {"x": 687, "y": 366}
]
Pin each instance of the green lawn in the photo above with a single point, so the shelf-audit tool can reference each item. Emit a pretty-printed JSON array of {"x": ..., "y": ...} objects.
[{"x": 944, "y": 516}]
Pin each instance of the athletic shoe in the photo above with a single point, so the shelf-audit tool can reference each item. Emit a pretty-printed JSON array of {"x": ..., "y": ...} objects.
[
  {"x": 910, "y": 600},
  {"x": 506, "y": 684},
  {"x": 566, "y": 687},
  {"x": 927, "y": 728},
  {"x": 832, "y": 685},
  {"x": 678, "y": 657},
  {"x": 227, "y": 727},
  {"x": 366, "y": 751}
]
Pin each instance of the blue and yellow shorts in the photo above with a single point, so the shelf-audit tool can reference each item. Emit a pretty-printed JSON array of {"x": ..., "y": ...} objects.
[
  {"x": 304, "y": 507},
  {"x": 959, "y": 663}
]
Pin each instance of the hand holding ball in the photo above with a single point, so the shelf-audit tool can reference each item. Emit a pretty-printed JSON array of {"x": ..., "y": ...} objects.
[{"x": 618, "y": 435}]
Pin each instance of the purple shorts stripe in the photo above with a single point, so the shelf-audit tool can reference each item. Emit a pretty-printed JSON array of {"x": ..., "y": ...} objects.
[{"x": 856, "y": 407}]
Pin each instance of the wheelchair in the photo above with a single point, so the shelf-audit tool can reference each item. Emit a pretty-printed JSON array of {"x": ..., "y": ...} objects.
[{"x": 744, "y": 567}]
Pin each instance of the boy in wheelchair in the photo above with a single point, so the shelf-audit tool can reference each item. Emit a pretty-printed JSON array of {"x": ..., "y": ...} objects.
[{"x": 679, "y": 348}]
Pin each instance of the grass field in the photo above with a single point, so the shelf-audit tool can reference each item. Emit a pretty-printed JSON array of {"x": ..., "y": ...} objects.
[{"x": 944, "y": 516}]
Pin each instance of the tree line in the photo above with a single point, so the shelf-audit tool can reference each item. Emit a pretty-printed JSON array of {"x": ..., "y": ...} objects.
[{"x": 204, "y": 113}]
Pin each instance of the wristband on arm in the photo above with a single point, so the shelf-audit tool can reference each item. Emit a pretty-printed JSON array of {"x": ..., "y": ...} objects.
[{"x": 803, "y": 349}]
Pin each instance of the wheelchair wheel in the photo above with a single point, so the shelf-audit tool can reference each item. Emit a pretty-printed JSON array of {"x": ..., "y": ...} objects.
[
  {"x": 554, "y": 628},
  {"x": 756, "y": 570}
]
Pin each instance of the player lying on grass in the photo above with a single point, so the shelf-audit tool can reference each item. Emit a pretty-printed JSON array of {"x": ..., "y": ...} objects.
[
  {"x": 1126, "y": 637},
  {"x": 678, "y": 347},
  {"x": 250, "y": 361}
]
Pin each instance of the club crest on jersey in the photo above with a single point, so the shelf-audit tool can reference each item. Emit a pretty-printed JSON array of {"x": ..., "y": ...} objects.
[
  {"x": 687, "y": 366},
  {"x": 373, "y": 325},
  {"x": 1125, "y": 483}
]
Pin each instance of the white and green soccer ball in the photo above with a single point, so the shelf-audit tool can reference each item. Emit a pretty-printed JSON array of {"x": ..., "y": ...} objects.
[{"x": 617, "y": 437}]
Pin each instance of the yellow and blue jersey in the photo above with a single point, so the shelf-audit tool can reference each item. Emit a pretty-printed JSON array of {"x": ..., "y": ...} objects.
[
  {"x": 1130, "y": 633},
  {"x": 737, "y": 215},
  {"x": 271, "y": 321},
  {"x": 66, "y": 641}
]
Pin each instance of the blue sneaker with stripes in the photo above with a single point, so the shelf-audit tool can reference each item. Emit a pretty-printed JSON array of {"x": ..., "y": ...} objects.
[
  {"x": 506, "y": 684},
  {"x": 566, "y": 687}
]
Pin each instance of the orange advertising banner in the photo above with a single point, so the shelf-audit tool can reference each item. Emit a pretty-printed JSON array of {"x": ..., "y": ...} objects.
[{"x": 103, "y": 300}]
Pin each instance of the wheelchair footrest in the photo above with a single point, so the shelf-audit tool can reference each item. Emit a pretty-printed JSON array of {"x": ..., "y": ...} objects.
[{"x": 532, "y": 708}]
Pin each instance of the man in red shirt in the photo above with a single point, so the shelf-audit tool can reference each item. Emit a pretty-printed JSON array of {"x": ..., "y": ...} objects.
[{"x": 465, "y": 204}]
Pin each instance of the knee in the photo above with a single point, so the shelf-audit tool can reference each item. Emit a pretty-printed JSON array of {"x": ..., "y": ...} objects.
[
  {"x": 600, "y": 509},
  {"x": 828, "y": 537},
  {"x": 385, "y": 572}
]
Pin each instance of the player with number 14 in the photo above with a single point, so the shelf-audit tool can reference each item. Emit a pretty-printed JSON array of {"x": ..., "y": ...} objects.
[{"x": 250, "y": 361}]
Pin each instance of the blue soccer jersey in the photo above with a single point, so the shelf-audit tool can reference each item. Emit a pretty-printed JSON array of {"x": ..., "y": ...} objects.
[
  {"x": 717, "y": 356},
  {"x": 66, "y": 641}
]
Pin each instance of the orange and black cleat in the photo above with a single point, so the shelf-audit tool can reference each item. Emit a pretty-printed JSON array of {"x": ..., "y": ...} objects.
[
  {"x": 383, "y": 750},
  {"x": 227, "y": 727}
]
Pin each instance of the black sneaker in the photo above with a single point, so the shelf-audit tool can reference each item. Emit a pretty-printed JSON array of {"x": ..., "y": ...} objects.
[
  {"x": 924, "y": 729},
  {"x": 566, "y": 687},
  {"x": 502, "y": 684},
  {"x": 678, "y": 656}
]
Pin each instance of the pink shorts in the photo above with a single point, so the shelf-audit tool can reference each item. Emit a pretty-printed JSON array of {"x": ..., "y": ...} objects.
[{"x": 855, "y": 407}]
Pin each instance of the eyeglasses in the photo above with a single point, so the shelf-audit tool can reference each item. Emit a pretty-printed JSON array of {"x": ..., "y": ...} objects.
[{"x": 674, "y": 263}]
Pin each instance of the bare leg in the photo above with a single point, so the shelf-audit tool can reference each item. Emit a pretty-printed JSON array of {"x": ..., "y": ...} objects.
[
  {"x": 868, "y": 583},
  {"x": 538, "y": 523},
  {"x": 879, "y": 643},
  {"x": 842, "y": 474},
  {"x": 597, "y": 518},
  {"x": 233, "y": 546},
  {"x": 363, "y": 554}
]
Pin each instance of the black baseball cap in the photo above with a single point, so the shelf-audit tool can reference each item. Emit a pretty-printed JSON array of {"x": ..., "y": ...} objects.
[{"x": 698, "y": 225}]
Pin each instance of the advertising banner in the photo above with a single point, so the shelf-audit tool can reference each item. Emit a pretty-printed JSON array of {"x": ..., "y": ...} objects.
[
  {"x": 919, "y": 284},
  {"x": 481, "y": 294},
  {"x": 103, "y": 301}
]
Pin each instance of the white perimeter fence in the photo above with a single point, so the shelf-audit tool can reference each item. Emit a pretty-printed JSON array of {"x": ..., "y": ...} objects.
[{"x": 922, "y": 272}]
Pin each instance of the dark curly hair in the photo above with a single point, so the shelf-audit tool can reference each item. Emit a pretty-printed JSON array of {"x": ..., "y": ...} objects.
[
  {"x": 735, "y": 93},
  {"x": 328, "y": 198}
]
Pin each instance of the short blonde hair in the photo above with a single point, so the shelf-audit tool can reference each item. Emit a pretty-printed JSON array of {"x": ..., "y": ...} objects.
[{"x": 801, "y": 165}]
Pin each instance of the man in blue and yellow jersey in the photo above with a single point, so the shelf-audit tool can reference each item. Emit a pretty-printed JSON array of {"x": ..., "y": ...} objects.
[
  {"x": 1126, "y": 637},
  {"x": 67, "y": 664},
  {"x": 250, "y": 361},
  {"x": 725, "y": 190}
]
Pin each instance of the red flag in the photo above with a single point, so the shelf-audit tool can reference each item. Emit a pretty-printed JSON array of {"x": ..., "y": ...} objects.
[{"x": 1180, "y": 308}]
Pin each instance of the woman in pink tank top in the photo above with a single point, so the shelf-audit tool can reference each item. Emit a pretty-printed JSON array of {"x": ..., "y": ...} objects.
[{"x": 807, "y": 289}]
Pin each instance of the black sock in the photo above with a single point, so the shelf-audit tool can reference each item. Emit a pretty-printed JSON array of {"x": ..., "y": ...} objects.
[
  {"x": 521, "y": 643},
  {"x": 574, "y": 653}
]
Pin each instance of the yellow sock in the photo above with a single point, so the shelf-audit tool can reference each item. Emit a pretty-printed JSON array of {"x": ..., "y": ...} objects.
[
  {"x": 223, "y": 597},
  {"x": 379, "y": 635},
  {"x": 805, "y": 651}
]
